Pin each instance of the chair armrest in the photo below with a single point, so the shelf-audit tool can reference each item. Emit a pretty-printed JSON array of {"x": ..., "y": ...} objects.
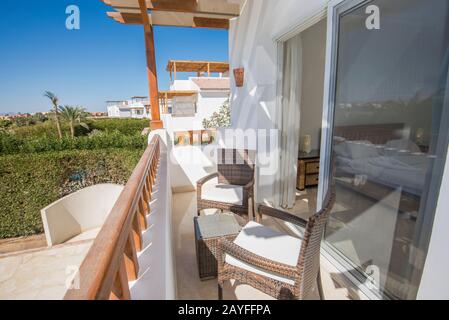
[
  {"x": 203, "y": 180},
  {"x": 227, "y": 247},
  {"x": 279, "y": 214}
]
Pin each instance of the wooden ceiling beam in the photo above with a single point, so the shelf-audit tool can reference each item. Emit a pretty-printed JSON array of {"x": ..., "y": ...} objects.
[
  {"x": 208, "y": 7},
  {"x": 162, "y": 19},
  {"x": 202, "y": 22}
]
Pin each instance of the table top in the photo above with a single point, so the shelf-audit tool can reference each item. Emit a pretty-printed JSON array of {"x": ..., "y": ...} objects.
[
  {"x": 216, "y": 225},
  {"x": 313, "y": 154}
]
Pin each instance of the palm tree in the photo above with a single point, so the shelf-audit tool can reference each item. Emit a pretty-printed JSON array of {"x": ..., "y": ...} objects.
[
  {"x": 55, "y": 101},
  {"x": 73, "y": 115}
]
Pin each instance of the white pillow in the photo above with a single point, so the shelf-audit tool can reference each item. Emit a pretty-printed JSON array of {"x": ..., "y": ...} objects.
[
  {"x": 361, "y": 149},
  {"x": 340, "y": 149},
  {"x": 401, "y": 144}
]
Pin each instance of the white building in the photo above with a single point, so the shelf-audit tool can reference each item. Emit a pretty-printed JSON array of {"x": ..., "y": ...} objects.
[
  {"x": 189, "y": 102},
  {"x": 137, "y": 107}
]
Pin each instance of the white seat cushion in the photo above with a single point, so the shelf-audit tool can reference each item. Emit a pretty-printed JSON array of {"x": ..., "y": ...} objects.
[
  {"x": 227, "y": 193},
  {"x": 269, "y": 244}
]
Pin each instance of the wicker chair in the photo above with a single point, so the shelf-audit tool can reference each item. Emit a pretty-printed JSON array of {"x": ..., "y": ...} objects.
[
  {"x": 232, "y": 186},
  {"x": 279, "y": 265}
]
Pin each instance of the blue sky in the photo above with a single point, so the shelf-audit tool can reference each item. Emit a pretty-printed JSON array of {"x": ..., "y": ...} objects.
[{"x": 104, "y": 60}]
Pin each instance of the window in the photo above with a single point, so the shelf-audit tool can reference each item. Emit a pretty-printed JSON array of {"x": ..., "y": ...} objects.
[{"x": 389, "y": 134}]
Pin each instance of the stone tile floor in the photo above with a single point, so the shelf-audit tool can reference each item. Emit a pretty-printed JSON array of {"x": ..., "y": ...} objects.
[{"x": 40, "y": 273}]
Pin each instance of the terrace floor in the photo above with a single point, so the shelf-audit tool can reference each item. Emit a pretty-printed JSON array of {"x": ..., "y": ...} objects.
[
  {"x": 191, "y": 287},
  {"x": 40, "y": 273}
]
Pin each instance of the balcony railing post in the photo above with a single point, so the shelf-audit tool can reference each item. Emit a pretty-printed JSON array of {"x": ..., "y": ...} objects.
[
  {"x": 149, "y": 187},
  {"x": 142, "y": 214},
  {"x": 131, "y": 262},
  {"x": 137, "y": 233},
  {"x": 120, "y": 289}
]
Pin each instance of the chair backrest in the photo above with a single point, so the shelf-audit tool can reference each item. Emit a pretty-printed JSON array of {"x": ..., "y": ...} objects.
[
  {"x": 235, "y": 166},
  {"x": 309, "y": 257},
  {"x": 78, "y": 212}
]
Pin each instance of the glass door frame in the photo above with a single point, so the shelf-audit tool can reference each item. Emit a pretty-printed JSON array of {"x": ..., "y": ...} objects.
[{"x": 335, "y": 9}]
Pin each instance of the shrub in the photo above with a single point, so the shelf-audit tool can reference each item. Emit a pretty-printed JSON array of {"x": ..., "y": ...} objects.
[
  {"x": 48, "y": 128},
  {"x": 124, "y": 126},
  {"x": 30, "y": 182},
  {"x": 12, "y": 144},
  {"x": 220, "y": 118}
]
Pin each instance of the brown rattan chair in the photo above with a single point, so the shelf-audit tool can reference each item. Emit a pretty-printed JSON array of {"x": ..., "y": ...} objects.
[
  {"x": 232, "y": 186},
  {"x": 279, "y": 265}
]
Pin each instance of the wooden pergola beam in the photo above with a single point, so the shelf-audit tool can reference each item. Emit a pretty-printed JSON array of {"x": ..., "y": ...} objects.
[
  {"x": 197, "y": 66},
  {"x": 176, "y": 93},
  {"x": 156, "y": 122}
]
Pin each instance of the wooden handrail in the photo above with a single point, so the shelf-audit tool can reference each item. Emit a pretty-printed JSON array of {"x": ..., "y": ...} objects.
[{"x": 112, "y": 260}]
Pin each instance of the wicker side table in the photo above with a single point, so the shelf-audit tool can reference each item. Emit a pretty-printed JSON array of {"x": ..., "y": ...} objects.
[{"x": 208, "y": 229}]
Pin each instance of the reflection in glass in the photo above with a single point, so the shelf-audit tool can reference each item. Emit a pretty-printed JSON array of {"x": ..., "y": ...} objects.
[{"x": 390, "y": 108}]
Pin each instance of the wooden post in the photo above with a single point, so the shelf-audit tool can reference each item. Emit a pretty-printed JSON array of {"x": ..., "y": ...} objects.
[
  {"x": 166, "y": 102},
  {"x": 131, "y": 262},
  {"x": 174, "y": 69},
  {"x": 208, "y": 69},
  {"x": 156, "y": 122}
]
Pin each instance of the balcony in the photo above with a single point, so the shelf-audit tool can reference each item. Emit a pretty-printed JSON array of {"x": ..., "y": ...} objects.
[{"x": 145, "y": 250}]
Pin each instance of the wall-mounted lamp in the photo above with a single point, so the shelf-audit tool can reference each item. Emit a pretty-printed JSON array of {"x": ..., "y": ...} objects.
[{"x": 239, "y": 75}]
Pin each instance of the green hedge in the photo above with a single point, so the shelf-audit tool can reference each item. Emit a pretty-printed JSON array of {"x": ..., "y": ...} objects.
[
  {"x": 48, "y": 128},
  {"x": 30, "y": 182},
  {"x": 12, "y": 144},
  {"x": 124, "y": 126}
]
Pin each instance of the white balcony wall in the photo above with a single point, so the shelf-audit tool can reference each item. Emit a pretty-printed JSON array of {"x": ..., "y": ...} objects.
[
  {"x": 183, "y": 85},
  {"x": 157, "y": 277},
  {"x": 253, "y": 46},
  {"x": 434, "y": 281}
]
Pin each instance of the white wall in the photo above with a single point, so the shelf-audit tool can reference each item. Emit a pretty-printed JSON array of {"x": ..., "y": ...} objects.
[
  {"x": 435, "y": 281},
  {"x": 208, "y": 102},
  {"x": 253, "y": 46}
]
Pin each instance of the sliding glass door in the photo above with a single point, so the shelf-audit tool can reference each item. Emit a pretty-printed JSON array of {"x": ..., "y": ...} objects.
[{"x": 387, "y": 142}]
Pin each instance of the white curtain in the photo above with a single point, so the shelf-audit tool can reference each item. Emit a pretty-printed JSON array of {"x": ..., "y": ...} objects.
[{"x": 289, "y": 123}]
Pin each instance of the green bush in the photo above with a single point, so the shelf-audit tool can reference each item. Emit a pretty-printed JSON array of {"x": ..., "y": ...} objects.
[
  {"x": 12, "y": 144},
  {"x": 124, "y": 126},
  {"x": 30, "y": 182},
  {"x": 48, "y": 128}
]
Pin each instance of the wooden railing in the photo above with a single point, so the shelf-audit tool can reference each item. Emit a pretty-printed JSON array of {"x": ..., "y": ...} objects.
[{"x": 112, "y": 260}]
